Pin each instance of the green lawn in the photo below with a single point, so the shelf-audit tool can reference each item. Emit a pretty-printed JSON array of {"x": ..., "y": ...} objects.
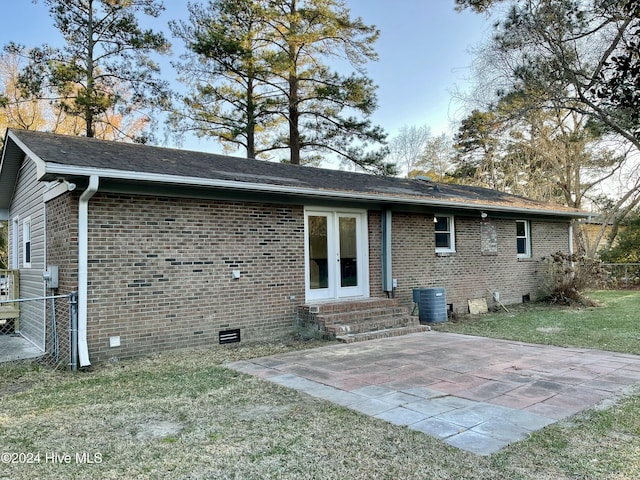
[
  {"x": 185, "y": 416},
  {"x": 614, "y": 325}
]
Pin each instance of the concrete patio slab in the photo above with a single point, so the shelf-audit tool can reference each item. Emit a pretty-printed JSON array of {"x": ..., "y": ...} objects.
[
  {"x": 476, "y": 442},
  {"x": 437, "y": 428},
  {"x": 474, "y": 393},
  {"x": 372, "y": 407},
  {"x": 430, "y": 407},
  {"x": 15, "y": 347},
  {"x": 373, "y": 391},
  {"x": 402, "y": 416}
]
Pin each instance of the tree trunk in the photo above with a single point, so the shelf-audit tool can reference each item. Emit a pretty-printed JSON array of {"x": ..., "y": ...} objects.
[
  {"x": 88, "y": 114},
  {"x": 294, "y": 113},
  {"x": 294, "y": 120},
  {"x": 251, "y": 121}
]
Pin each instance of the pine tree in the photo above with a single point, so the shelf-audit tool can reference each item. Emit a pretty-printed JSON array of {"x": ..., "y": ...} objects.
[
  {"x": 104, "y": 64},
  {"x": 272, "y": 71},
  {"x": 228, "y": 75}
]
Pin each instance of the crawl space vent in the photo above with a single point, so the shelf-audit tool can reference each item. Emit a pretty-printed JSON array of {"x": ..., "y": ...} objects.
[{"x": 229, "y": 336}]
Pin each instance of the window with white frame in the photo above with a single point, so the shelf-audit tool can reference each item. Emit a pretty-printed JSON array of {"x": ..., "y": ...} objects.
[
  {"x": 523, "y": 238},
  {"x": 445, "y": 233},
  {"x": 26, "y": 243}
]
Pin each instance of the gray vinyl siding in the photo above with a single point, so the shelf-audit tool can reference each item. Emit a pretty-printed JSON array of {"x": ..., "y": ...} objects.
[{"x": 28, "y": 203}]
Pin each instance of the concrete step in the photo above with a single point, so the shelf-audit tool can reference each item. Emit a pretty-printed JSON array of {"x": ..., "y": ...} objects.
[
  {"x": 391, "y": 332},
  {"x": 353, "y": 317}
]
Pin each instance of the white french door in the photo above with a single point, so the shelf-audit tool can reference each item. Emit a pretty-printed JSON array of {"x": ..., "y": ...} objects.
[{"x": 336, "y": 254}]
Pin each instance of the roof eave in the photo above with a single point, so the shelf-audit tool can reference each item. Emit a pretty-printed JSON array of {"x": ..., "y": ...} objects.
[{"x": 54, "y": 171}]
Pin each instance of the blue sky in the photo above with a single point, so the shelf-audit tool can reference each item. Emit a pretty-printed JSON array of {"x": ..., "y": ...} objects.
[{"x": 423, "y": 49}]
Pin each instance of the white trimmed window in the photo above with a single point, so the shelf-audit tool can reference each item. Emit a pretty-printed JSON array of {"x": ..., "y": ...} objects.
[
  {"x": 26, "y": 242},
  {"x": 445, "y": 233},
  {"x": 523, "y": 238}
]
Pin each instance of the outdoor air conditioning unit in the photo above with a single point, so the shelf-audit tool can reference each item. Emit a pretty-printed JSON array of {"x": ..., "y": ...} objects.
[{"x": 432, "y": 304}]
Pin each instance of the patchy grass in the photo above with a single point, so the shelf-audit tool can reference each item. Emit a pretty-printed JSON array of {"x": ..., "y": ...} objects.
[
  {"x": 613, "y": 325},
  {"x": 184, "y": 415}
]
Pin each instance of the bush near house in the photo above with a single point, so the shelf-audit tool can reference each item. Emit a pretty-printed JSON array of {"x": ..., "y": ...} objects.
[{"x": 569, "y": 274}]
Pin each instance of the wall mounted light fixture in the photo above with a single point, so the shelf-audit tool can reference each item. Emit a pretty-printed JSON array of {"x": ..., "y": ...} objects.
[{"x": 70, "y": 186}]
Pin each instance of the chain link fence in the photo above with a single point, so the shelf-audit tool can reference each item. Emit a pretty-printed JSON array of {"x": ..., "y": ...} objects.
[
  {"x": 60, "y": 331},
  {"x": 623, "y": 275}
]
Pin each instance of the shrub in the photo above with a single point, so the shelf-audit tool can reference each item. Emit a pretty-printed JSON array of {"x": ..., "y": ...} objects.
[{"x": 568, "y": 275}]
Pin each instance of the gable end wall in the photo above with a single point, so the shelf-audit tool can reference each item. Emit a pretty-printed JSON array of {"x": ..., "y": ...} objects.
[{"x": 27, "y": 203}]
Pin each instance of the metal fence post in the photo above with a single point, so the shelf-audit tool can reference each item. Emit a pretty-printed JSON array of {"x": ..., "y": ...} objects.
[
  {"x": 55, "y": 344},
  {"x": 626, "y": 276},
  {"x": 73, "y": 325}
]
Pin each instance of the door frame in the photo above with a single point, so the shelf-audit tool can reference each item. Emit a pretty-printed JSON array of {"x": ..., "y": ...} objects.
[{"x": 334, "y": 291}]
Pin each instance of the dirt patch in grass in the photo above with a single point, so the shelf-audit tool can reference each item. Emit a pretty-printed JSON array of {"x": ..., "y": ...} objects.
[
  {"x": 162, "y": 430},
  {"x": 18, "y": 376},
  {"x": 549, "y": 329}
]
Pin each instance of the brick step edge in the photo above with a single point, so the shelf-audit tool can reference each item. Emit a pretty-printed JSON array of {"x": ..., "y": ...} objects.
[
  {"x": 391, "y": 332},
  {"x": 371, "y": 325},
  {"x": 346, "y": 306},
  {"x": 360, "y": 315}
]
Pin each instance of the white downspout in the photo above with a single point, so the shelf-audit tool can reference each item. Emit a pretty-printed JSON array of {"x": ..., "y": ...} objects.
[
  {"x": 83, "y": 266},
  {"x": 571, "y": 238}
]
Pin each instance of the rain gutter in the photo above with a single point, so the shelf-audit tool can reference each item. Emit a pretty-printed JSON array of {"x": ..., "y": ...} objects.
[{"x": 316, "y": 193}]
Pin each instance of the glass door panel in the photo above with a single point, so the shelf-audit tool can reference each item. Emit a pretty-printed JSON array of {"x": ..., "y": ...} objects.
[
  {"x": 318, "y": 252},
  {"x": 348, "y": 251}
]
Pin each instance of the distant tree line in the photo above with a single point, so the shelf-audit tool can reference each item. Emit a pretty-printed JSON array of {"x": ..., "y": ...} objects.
[{"x": 553, "y": 112}]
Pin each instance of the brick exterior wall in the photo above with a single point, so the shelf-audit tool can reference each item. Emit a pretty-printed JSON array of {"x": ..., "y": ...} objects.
[
  {"x": 375, "y": 253},
  {"x": 468, "y": 273},
  {"x": 160, "y": 272},
  {"x": 160, "y": 269}
]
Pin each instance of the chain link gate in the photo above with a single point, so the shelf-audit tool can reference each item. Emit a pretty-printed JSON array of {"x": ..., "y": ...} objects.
[{"x": 61, "y": 329}]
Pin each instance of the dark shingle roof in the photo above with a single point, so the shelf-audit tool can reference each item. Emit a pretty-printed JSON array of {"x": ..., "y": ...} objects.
[{"x": 85, "y": 155}]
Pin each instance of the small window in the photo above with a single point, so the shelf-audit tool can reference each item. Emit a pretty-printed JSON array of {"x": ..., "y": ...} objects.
[
  {"x": 523, "y": 238},
  {"x": 445, "y": 235},
  {"x": 26, "y": 243}
]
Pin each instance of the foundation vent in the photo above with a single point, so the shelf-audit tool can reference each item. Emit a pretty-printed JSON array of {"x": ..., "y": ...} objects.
[{"x": 229, "y": 336}]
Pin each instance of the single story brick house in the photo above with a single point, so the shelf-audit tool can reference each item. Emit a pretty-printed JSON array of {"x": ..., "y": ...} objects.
[{"x": 168, "y": 248}]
